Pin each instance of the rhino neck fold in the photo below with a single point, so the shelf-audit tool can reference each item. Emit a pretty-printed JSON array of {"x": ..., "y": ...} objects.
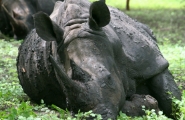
[{"x": 75, "y": 21}]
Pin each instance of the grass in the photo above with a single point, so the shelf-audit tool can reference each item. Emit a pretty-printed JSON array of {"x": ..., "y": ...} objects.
[
  {"x": 147, "y": 4},
  {"x": 167, "y": 24},
  {"x": 165, "y": 17},
  {"x": 175, "y": 54}
]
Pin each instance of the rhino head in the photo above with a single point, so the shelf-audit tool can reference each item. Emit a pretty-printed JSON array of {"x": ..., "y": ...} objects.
[
  {"x": 20, "y": 16},
  {"x": 5, "y": 26},
  {"x": 87, "y": 67}
]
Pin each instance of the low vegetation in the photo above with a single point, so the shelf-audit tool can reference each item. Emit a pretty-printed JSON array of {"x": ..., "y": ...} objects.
[
  {"x": 168, "y": 26},
  {"x": 147, "y": 4}
]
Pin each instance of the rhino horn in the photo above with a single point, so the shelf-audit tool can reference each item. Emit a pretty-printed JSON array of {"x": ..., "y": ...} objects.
[
  {"x": 68, "y": 83},
  {"x": 99, "y": 15}
]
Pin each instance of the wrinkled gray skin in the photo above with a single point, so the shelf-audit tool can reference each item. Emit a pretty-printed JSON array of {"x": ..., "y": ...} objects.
[
  {"x": 102, "y": 58},
  {"x": 20, "y": 13}
]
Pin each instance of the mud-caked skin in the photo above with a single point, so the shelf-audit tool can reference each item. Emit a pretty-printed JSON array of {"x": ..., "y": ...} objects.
[
  {"x": 36, "y": 73},
  {"x": 18, "y": 15},
  {"x": 132, "y": 107},
  {"x": 97, "y": 60}
]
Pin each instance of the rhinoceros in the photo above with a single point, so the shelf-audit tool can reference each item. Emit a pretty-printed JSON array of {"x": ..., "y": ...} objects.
[
  {"x": 19, "y": 14},
  {"x": 89, "y": 56},
  {"x": 5, "y": 27}
]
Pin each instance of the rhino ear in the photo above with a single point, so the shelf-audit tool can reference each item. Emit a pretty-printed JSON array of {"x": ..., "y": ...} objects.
[
  {"x": 99, "y": 14},
  {"x": 46, "y": 28}
]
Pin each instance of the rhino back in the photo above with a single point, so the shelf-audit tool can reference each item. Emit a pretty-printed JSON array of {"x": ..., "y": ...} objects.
[{"x": 143, "y": 57}]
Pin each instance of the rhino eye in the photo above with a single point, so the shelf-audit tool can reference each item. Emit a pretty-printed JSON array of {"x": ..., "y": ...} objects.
[
  {"x": 79, "y": 74},
  {"x": 17, "y": 16}
]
